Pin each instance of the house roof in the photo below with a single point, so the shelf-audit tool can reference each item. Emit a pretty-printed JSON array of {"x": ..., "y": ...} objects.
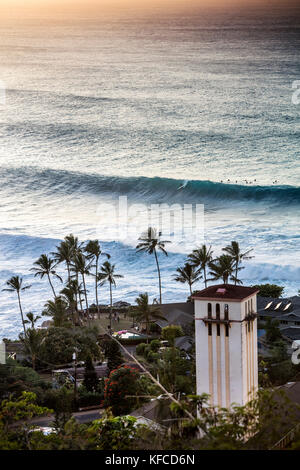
[
  {"x": 291, "y": 333},
  {"x": 292, "y": 302},
  {"x": 226, "y": 292},
  {"x": 184, "y": 342},
  {"x": 292, "y": 390},
  {"x": 176, "y": 314}
]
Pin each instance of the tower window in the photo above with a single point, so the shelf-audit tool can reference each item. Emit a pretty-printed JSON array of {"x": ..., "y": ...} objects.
[
  {"x": 226, "y": 311},
  {"x": 218, "y": 311},
  {"x": 218, "y": 330},
  {"x": 209, "y": 310},
  {"x": 209, "y": 329},
  {"x": 226, "y": 330}
]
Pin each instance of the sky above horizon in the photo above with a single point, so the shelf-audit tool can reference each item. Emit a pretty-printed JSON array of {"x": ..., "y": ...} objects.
[{"x": 86, "y": 7}]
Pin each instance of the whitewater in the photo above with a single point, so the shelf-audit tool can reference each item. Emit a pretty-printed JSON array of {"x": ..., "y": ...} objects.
[{"x": 189, "y": 110}]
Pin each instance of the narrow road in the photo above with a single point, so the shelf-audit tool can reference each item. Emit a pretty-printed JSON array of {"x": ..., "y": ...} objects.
[{"x": 80, "y": 416}]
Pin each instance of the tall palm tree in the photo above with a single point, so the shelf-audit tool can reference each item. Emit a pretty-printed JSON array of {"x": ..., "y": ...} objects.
[
  {"x": 31, "y": 319},
  {"x": 107, "y": 275},
  {"x": 201, "y": 257},
  {"x": 75, "y": 247},
  {"x": 94, "y": 251},
  {"x": 45, "y": 266},
  {"x": 82, "y": 265},
  {"x": 77, "y": 289},
  {"x": 145, "y": 312},
  {"x": 188, "y": 274},
  {"x": 74, "y": 243},
  {"x": 234, "y": 251},
  {"x": 68, "y": 294},
  {"x": 151, "y": 244},
  {"x": 15, "y": 285},
  {"x": 222, "y": 268},
  {"x": 64, "y": 254},
  {"x": 57, "y": 309}
]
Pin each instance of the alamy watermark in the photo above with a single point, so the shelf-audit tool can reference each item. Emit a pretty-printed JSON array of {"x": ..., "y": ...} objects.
[
  {"x": 296, "y": 94},
  {"x": 296, "y": 352},
  {"x": 122, "y": 221}
]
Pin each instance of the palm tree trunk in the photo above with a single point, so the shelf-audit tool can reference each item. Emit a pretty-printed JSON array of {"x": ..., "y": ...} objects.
[
  {"x": 85, "y": 295},
  {"x": 79, "y": 295},
  {"x": 96, "y": 288},
  {"x": 159, "y": 278},
  {"x": 51, "y": 285},
  {"x": 205, "y": 280},
  {"x": 236, "y": 273},
  {"x": 69, "y": 273},
  {"x": 191, "y": 290},
  {"x": 20, "y": 306},
  {"x": 110, "y": 315}
]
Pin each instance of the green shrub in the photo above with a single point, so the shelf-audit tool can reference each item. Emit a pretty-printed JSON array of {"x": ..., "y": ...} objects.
[
  {"x": 152, "y": 356},
  {"x": 87, "y": 398},
  {"x": 155, "y": 345},
  {"x": 147, "y": 350},
  {"x": 140, "y": 348}
]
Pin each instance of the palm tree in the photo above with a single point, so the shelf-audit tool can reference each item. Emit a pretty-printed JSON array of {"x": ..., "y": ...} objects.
[
  {"x": 151, "y": 243},
  {"x": 81, "y": 265},
  {"x": 145, "y": 312},
  {"x": 107, "y": 274},
  {"x": 45, "y": 266},
  {"x": 201, "y": 257},
  {"x": 75, "y": 247},
  {"x": 234, "y": 251},
  {"x": 15, "y": 285},
  {"x": 68, "y": 294},
  {"x": 64, "y": 254},
  {"x": 31, "y": 319},
  {"x": 222, "y": 268},
  {"x": 94, "y": 251},
  {"x": 57, "y": 309},
  {"x": 188, "y": 274},
  {"x": 74, "y": 243},
  {"x": 32, "y": 342}
]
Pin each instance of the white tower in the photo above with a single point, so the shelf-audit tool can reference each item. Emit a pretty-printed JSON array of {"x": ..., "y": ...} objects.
[{"x": 226, "y": 344}]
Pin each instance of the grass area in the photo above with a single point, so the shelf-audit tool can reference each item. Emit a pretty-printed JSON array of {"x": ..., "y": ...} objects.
[{"x": 103, "y": 322}]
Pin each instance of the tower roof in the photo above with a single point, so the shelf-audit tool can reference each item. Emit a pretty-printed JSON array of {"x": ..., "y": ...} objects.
[{"x": 228, "y": 292}]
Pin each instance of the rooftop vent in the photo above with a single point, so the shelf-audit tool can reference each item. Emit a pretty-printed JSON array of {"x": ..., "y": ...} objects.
[
  {"x": 268, "y": 305},
  {"x": 278, "y": 306},
  {"x": 287, "y": 306},
  {"x": 221, "y": 291}
]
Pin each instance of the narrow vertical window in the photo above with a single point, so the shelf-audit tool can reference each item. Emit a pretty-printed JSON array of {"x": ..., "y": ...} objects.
[
  {"x": 226, "y": 330},
  {"x": 226, "y": 311},
  {"x": 218, "y": 318},
  {"x": 209, "y": 329},
  {"x": 209, "y": 310}
]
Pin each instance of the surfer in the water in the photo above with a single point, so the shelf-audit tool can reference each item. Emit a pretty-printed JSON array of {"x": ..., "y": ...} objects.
[{"x": 183, "y": 185}]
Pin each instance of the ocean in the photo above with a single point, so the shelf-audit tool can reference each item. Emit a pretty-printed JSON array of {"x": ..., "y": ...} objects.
[{"x": 179, "y": 110}]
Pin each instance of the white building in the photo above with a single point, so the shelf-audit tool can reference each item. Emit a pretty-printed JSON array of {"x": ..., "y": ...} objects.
[
  {"x": 226, "y": 344},
  {"x": 2, "y": 353}
]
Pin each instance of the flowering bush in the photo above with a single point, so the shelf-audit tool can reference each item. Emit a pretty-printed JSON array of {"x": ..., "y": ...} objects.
[{"x": 121, "y": 384}]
